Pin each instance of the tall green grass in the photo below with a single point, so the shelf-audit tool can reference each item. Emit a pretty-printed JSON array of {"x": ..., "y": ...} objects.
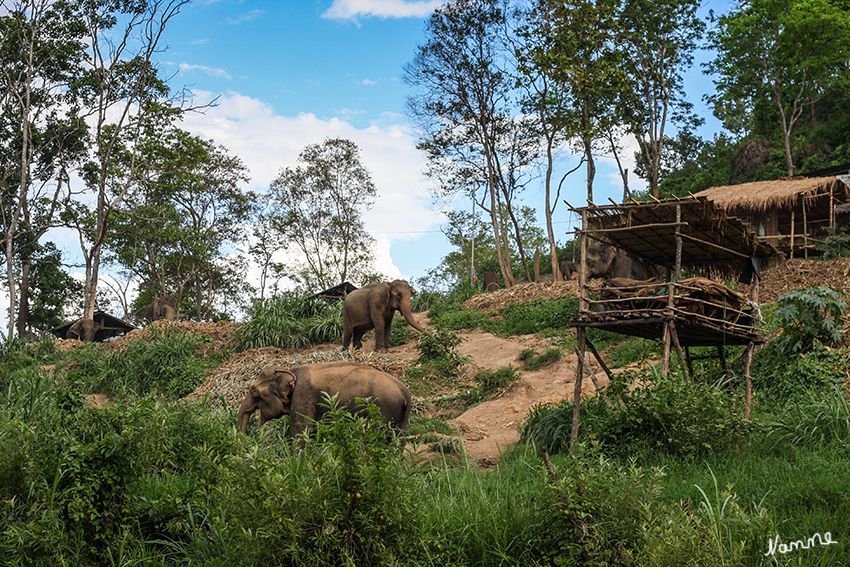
[{"x": 291, "y": 321}]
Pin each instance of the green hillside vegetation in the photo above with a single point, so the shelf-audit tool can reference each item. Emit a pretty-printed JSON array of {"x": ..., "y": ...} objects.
[{"x": 670, "y": 475}]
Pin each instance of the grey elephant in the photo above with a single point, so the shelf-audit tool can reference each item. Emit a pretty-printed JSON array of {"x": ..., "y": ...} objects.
[
  {"x": 606, "y": 261},
  {"x": 373, "y": 307},
  {"x": 83, "y": 330},
  {"x": 298, "y": 392},
  {"x": 165, "y": 307},
  {"x": 568, "y": 270}
]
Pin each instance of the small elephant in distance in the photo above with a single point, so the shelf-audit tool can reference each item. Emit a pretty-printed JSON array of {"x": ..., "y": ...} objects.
[
  {"x": 299, "y": 392},
  {"x": 83, "y": 330},
  {"x": 165, "y": 307},
  {"x": 373, "y": 307},
  {"x": 568, "y": 270}
]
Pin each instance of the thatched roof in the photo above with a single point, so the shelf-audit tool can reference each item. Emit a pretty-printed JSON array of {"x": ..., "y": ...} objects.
[
  {"x": 711, "y": 238},
  {"x": 781, "y": 193}
]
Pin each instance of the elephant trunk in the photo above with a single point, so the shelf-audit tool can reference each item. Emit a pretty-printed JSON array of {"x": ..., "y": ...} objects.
[
  {"x": 245, "y": 412},
  {"x": 408, "y": 314}
]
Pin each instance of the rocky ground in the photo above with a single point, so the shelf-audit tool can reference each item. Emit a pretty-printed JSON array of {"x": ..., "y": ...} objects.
[{"x": 491, "y": 426}]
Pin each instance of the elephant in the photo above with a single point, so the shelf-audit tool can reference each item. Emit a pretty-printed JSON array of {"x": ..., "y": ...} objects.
[
  {"x": 373, "y": 307},
  {"x": 606, "y": 261},
  {"x": 568, "y": 270},
  {"x": 83, "y": 330},
  {"x": 165, "y": 307},
  {"x": 298, "y": 392}
]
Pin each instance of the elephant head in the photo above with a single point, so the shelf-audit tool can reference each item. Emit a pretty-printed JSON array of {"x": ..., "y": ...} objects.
[
  {"x": 83, "y": 330},
  {"x": 271, "y": 393},
  {"x": 164, "y": 307},
  {"x": 400, "y": 293}
]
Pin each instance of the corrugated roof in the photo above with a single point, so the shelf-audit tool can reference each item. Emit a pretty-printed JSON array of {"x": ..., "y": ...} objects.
[{"x": 764, "y": 195}]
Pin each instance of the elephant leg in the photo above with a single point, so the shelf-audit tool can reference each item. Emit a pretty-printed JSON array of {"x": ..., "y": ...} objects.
[
  {"x": 358, "y": 338},
  {"x": 387, "y": 328},
  {"x": 380, "y": 336}
]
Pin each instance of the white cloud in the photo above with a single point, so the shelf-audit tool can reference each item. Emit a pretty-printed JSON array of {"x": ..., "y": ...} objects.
[
  {"x": 267, "y": 142},
  {"x": 246, "y": 17},
  {"x": 187, "y": 68},
  {"x": 351, "y": 9}
]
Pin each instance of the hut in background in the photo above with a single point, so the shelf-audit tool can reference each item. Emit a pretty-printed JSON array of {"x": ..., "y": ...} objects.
[{"x": 792, "y": 213}]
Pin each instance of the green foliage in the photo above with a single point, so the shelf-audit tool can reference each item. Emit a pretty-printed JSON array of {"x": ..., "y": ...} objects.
[
  {"x": 438, "y": 355},
  {"x": 167, "y": 364},
  {"x": 634, "y": 349},
  {"x": 290, "y": 321},
  {"x": 672, "y": 415},
  {"x": 836, "y": 244},
  {"x": 796, "y": 374},
  {"x": 595, "y": 511},
  {"x": 809, "y": 315},
  {"x": 534, "y": 361},
  {"x": 491, "y": 383},
  {"x": 817, "y": 417},
  {"x": 400, "y": 332},
  {"x": 536, "y": 316}
]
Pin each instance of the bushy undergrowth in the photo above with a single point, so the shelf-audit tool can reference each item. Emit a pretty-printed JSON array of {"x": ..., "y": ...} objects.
[
  {"x": 438, "y": 356},
  {"x": 166, "y": 363},
  {"x": 668, "y": 414},
  {"x": 291, "y": 321},
  {"x": 534, "y": 361},
  {"x": 538, "y": 316}
]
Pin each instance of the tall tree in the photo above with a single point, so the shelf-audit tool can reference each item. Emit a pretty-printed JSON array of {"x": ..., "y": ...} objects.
[
  {"x": 40, "y": 49},
  {"x": 462, "y": 98},
  {"x": 788, "y": 52},
  {"x": 319, "y": 205},
  {"x": 549, "y": 101},
  {"x": 121, "y": 92},
  {"x": 181, "y": 220},
  {"x": 581, "y": 57},
  {"x": 656, "y": 42}
]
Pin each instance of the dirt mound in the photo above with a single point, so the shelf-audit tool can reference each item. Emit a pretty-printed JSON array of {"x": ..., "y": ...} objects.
[
  {"x": 522, "y": 293},
  {"x": 800, "y": 274},
  {"x": 222, "y": 334}
]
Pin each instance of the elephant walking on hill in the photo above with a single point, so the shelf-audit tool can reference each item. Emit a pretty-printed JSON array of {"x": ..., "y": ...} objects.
[
  {"x": 373, "y": 307},
  {"x": 299, "y": 392}
]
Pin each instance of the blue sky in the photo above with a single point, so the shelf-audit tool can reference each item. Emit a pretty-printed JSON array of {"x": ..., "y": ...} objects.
[{"x": 289, "y": 73}]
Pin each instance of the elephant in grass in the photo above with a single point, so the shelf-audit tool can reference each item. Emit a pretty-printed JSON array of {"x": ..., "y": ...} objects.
[
  {"x": 165, "y": 307},
  {"x": 298, "y": 392},
  {"x": 568, "y": 270},
  {"x": 373, "y": 307}
]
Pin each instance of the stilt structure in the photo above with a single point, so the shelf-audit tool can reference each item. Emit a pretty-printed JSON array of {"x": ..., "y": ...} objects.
[{"x": 683, "y": 311}]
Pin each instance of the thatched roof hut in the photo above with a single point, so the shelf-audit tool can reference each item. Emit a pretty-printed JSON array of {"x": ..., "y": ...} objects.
[{"x": 790, "y": 212}]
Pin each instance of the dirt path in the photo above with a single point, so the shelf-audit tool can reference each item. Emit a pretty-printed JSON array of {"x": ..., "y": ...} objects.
[{"x": 491, "y": 426}]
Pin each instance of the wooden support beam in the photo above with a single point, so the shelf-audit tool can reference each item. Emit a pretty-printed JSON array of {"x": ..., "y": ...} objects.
[
  {"x": 582, "y": 360},
  {"x": 581, "y": 338}
]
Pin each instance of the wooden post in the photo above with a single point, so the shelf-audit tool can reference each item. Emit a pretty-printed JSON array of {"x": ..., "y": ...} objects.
[
  {"x": 805, "y": 231},
  {"x": 671, "y": 296},
  {"x": 748, "y": 388},
  {"x": 580, "y": 334},
  {"x": 791, "y": 255},
  {"x": 577, "y": 390}
]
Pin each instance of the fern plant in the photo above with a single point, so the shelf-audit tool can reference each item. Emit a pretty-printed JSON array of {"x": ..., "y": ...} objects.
[{"x": 809, "y": 315}]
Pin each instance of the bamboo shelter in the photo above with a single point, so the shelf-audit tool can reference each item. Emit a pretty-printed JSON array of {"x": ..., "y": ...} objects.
[
  {"x": 791, "y": 213},
  {"x": 687, "y": 312}
]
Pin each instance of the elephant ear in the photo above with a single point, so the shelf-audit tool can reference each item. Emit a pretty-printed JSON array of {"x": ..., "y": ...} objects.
[{"x": 286, "y": 380}]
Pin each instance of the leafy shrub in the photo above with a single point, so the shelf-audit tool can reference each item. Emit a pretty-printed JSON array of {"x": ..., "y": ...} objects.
[
  {"x": 534, "y": 361},
  {"x": 781, "y": 376},
  {"x": 594, "y": 512},
  {"x": 167, "y": 363},
  {"x": 672, "y": 415},
  {"x": 535, "y": 316},
  {"x": 490, "y": 382},
  {"x": 463, "y": 319},
  {"x": 400, "y": 332},
  {"x": 809, "y": 315}
]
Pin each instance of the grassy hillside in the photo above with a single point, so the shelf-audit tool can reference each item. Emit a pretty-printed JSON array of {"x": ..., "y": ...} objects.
[{"x": 671, "y": 474}]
